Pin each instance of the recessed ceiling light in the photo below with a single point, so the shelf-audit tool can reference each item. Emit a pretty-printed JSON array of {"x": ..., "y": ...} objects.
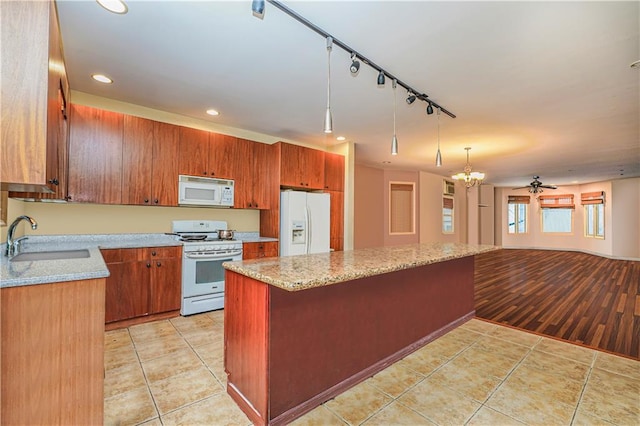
[
  {"x": 212, "y": 112},
  {"x": 101, "y": 78},
  {"x": 341, "y": 138},
  {"x": 115, "y": 6},
  {"x": 386, "y": 162},
  {"x": 635, "y": 65}
]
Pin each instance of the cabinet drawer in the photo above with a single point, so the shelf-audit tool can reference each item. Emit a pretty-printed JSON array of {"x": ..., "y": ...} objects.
[{"x": 164, "y": 252}]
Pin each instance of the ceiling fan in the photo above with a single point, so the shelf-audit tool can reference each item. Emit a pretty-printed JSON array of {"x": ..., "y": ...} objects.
[{"x": 536, "y": 186}]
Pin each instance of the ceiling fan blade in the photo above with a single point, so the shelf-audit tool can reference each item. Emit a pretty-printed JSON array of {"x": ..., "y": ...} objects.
[
  {"x": 522, "y": 187},
  {"x": 548, "y": 186}
]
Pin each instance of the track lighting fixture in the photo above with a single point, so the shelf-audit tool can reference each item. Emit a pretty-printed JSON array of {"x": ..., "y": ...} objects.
[
  {"x": 394, "y": 140},
  {"x": 438, "y": 155},
  {"x": 328, "y": 121},
  {"x": 257, "y": 7},
  {"x": 355, "y": 64},
  {"x": 430, "y": 109}
]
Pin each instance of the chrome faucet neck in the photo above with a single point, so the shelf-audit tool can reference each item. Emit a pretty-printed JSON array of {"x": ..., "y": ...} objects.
[{"x": 11, "y": 244}]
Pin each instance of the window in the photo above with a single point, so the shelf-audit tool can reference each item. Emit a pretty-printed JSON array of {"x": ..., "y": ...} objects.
[
  {"x": 401, "y": 208},
  {"x": 557, "y": 213},
  {"x": 517, "y": 212},
  {"x": 593, "y": 203},
  {"x": 447, "y": 215}
]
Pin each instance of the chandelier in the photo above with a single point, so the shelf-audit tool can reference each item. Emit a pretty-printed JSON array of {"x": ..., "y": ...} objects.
[{"x": 467, "y": 176}]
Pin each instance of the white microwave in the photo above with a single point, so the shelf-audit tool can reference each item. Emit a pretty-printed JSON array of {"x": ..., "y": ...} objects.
[{"x": 201, "y": 191}]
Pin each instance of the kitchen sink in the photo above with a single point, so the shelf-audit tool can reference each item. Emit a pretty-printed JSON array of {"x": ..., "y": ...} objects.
[{"x": 51, "y": 255}]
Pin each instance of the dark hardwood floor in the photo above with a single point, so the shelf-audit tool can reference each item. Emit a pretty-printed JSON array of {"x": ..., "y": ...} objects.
[{"x": 578, "y": 297}]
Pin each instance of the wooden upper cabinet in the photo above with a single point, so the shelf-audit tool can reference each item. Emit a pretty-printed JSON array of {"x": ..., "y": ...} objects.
[
  {"x": 226, "y": 156},
  {"x": 301, "y": 167},
  {"x": 149, "y": 162},
  {"x": 95, "y": 155},
  {"x": 137, "y": 152},
  {"x": 194, "y": 152},
  {"x": 333, "y": 172},
  {"x": 33, "y": 102},
  {"x": 265, "y": 176},
  {"x": 256, "y": 180},
  {"x": 164, "y": 178}
]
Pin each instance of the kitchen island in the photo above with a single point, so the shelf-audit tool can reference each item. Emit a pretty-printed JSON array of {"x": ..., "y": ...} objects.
[{"x": 300, "y": 330}]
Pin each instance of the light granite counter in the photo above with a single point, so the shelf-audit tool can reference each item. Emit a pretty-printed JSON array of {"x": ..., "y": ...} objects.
[
  {"x": 14, "y": 274},
  {"x": 293, "y": 273},
  {"x": 252, "y": 237}
]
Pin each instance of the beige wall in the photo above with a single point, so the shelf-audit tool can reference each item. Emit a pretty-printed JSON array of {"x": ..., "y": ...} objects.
[
  {"x": 431, "y": 187},
  {"x": 625, "y": 218},
  {"x": 622, "y": 227},
  {"x": 62, "y": 218},
  {"x": 369, "y": 204}
]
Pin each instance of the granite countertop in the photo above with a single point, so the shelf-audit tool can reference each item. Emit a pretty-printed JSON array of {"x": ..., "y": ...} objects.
[
  {"x": 293, "y": 273},
  {"x": 14, "y": 274},
  {"x": 252, "y": 237}
]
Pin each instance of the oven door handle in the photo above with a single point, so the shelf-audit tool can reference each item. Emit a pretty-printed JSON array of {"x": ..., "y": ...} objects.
[{"x": 213, "y": 255}]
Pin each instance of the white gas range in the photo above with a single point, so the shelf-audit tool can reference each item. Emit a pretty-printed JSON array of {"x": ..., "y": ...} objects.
[{"x": 202, "y": 257}]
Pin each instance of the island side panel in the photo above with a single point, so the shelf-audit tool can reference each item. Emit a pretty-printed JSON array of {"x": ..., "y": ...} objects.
[
  {"x": 319, "y": 338},
  {"x": 246, "y": 345},
  {"x": 52, "y": 353}
]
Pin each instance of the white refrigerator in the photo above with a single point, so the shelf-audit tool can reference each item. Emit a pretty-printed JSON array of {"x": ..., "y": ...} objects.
[{"x": 304, "y": 222}]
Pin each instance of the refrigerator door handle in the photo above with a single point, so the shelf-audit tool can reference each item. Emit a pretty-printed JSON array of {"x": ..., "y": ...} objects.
[{"x": 307, "y": 213}]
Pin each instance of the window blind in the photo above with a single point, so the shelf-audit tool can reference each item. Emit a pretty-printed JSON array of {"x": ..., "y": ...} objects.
[
  {"x": 563, "y": 201},
  {"x": 592, "y": 197},
  {"x": 447, "y": 203},
  {"x": 401, "y": 214},
  {"x": 519, "y": 199}
]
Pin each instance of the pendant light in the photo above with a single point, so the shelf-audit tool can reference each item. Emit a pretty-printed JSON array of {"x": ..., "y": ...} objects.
[
  {"x": 438, "y": 155},
  {"x": 394, "y": 140},
  {"x": 328, "y": 121}
]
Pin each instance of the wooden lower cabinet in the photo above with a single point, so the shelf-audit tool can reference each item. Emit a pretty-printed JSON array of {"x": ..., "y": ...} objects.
[
  {"x": 52, "y": 353},
  {"x": 143, "y": 281},
  {"x": 259, "y": 250}
]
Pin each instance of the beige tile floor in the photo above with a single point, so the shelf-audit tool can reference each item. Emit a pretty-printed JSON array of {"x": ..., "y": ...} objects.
[{"x": 171, "y": 372}]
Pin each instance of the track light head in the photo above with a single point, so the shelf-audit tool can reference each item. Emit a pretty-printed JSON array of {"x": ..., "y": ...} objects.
[
  {"x": 381, "y": 78},
  {"x": 257, "y": 7},
  {"x": 355, "y": 64},
  {"x": 411, "y": 98},
  {"x": 429, "y": 109}
]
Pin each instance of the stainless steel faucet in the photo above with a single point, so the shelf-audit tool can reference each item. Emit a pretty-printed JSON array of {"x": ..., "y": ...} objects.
[{"x": 11, "y": 244}]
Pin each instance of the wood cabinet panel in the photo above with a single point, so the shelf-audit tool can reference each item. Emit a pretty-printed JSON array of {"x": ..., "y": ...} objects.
[
  {"x": 33, "y": 103},
  {"x": 137, "y": 152},
  {"x": 333, "y": 171},
  {"x": 227, "y": 155},
  {"x": 256, "y": 179},
  {"x": 194, "y": 152},
  {"x": 301, "y": 167},
  {"x": 95, "y": 155},
  {"x": 166, "y": 285},
  {"x": 336, "y": 221},
  {"x": 143, "y": 281},
  {"x": 52, "y": 353},
  {"x": 166, "y": 151},
  {"x": 259, "y": 250}
]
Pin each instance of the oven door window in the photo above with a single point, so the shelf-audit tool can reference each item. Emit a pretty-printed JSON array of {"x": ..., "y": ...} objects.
[{"x": 210, "y": 271}]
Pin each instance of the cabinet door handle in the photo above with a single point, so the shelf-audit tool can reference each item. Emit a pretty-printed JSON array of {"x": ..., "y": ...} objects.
[
  {"x": 158, "y": 264},
  {"x": 212, "y": 174},
  {"x": 204, "y": 173},
  {"x": 155, "y": 201},
  {"x": 153, "y": 253},
  {"x": 148, "y": 265},
  {"x": 146, "y": 200},
  {"x": 54, "y": 181}
]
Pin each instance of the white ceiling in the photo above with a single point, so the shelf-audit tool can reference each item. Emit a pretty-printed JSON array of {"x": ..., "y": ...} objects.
[{"x": 539, "y": 88}]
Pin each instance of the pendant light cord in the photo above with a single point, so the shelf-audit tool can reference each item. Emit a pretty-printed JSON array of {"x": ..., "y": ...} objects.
[
  {"x": 329, "y": 46},
  {"x": 438, "y": 112},
  {"x": 394, "y": 107}
]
